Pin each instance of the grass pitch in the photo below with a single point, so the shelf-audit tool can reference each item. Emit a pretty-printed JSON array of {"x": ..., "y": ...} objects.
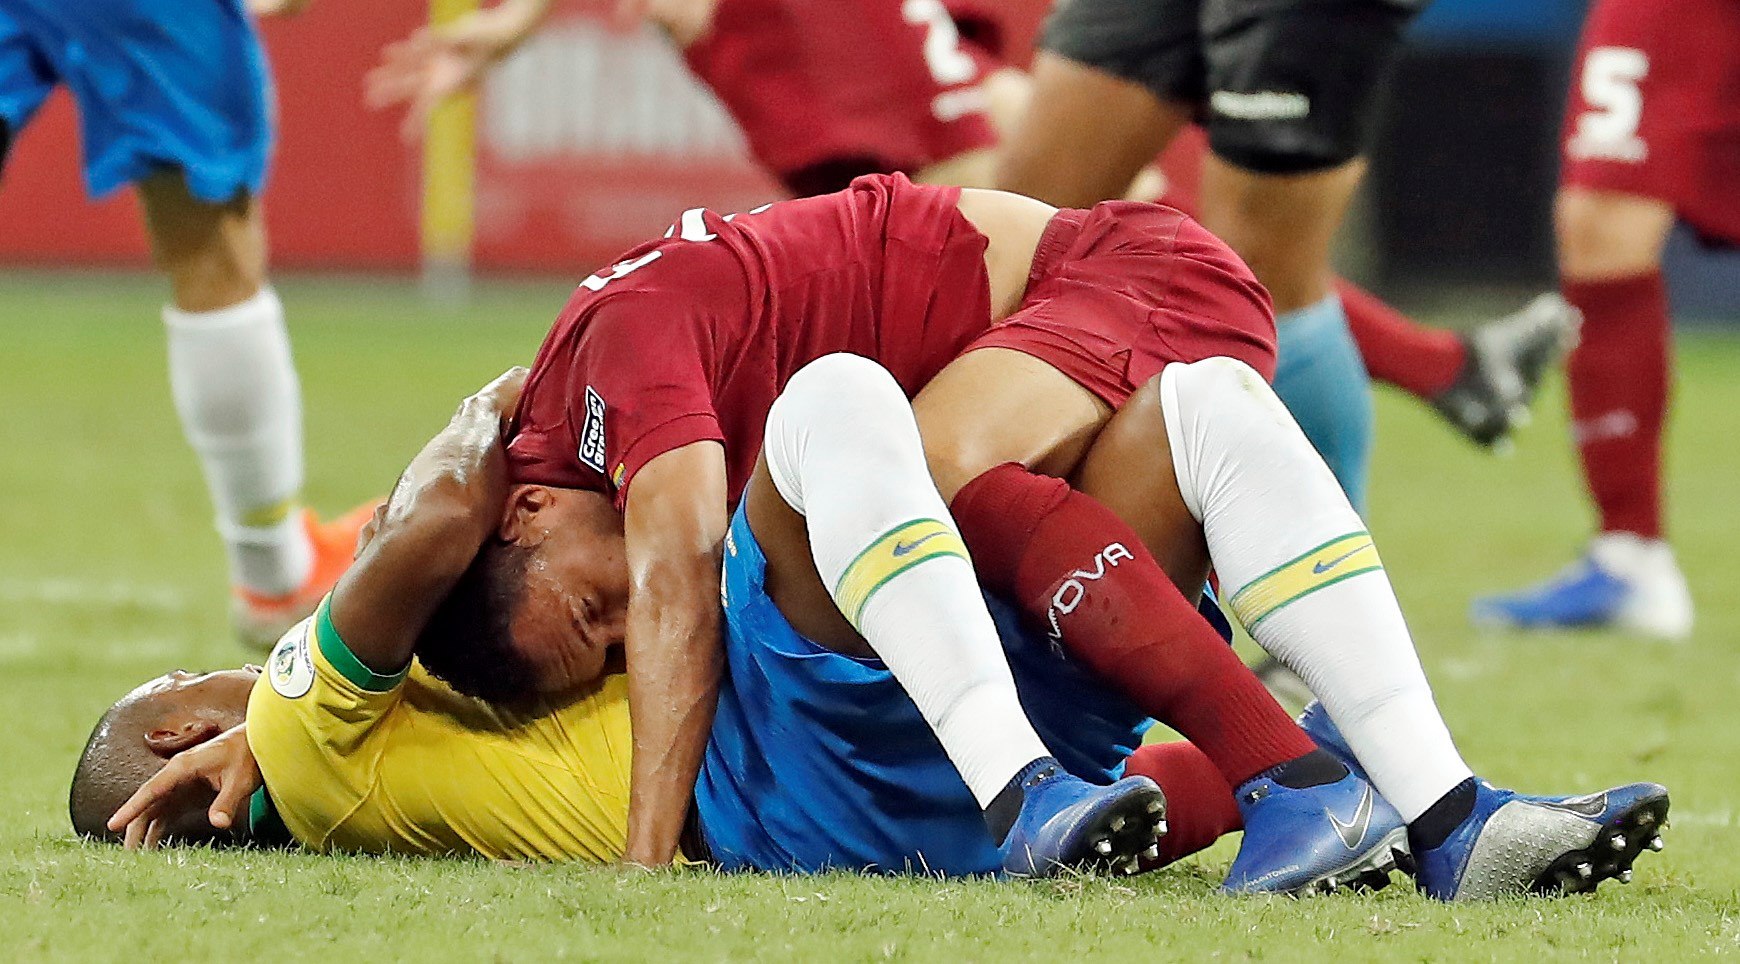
[{"x": 110, "y": 574}]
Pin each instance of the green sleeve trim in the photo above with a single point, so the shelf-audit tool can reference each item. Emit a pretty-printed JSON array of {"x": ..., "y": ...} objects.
[
  {"x": 342, "y": 659},
  {"x": 265, "y": 827}
]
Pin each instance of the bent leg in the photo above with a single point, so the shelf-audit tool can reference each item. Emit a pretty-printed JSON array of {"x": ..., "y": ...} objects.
[
  {"x": 1074, "y": 566},
  {"x": 233, "y": 379},
  {"x": 1302, "y": 575},
  {"x": 842, "y": 450}
]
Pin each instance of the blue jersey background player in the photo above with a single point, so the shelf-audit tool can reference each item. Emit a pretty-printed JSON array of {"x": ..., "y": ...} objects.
[{"x": 175, "y": 98}]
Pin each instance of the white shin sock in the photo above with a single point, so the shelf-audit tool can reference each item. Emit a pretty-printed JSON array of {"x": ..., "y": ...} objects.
[
  {"x": 844, "y": 452},
  {"x": 1301, "y": 573},
  {"x": 236, "y": 391}
]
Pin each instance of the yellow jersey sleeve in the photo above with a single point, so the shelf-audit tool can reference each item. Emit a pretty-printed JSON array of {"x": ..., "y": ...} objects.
[
  {"x": 314, "y": 719},
  {"x": 354, "y": 760}
]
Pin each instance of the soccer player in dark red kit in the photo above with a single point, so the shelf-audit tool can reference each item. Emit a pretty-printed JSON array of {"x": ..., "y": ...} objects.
[
  {"x": 1652, "y": 134},
  {"x": 828, "y": 92},
  {"x": 645, "y": 409},
  {"x": 641, "y": 421}
]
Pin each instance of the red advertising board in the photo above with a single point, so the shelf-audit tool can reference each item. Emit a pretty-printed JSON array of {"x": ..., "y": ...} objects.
[{"x": 590, "y": 139}]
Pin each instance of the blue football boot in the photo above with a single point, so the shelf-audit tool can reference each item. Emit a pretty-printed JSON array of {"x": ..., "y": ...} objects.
[
  {"x": 1517, "y": 844},
  {"x": 1322, "y": 730},
  {"x": 1582, "y": 595},
  {"x": 1623, "y": 582},
  {"x": 1316, "y": 839},
  {"x": 1067, "y": 822}
]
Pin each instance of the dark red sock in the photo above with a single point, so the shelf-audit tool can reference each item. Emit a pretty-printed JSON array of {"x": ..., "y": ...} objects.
[
  {"x": 1398, "y": 350},
  {"x": 1076, "y": 568},
  {"x": 1200, "y": 807},
  {"x": 1619, "y": 394}
]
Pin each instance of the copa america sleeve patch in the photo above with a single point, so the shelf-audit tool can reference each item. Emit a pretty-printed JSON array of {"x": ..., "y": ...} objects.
[
  {"x": 290, "y": 668},
  {"x": 592, "y": 433}
]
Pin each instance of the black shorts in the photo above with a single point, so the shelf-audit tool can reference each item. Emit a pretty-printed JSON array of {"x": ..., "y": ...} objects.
[{"x": 1283, "y": 86}]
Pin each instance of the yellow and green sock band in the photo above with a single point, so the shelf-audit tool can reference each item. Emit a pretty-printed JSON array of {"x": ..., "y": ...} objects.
[
  {"x": 1338, "y": 559},
  {"x": 893, "y": 553}
]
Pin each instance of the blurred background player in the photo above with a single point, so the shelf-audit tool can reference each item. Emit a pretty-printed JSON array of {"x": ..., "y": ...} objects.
[
  {"x": 823, "y": 92},
  {"x": 826, "y": 92},
  {"x": 1652, "y": 134},
  {"x": 175, "y": 98},
  {"x": 1285, "y": 92}
]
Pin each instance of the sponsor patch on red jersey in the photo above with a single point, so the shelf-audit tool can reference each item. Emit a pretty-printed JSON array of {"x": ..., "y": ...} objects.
[{"x": 592, "y": 432}]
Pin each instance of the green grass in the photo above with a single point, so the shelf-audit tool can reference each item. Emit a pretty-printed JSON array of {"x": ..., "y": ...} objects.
[{"x": 110, "y": 575}]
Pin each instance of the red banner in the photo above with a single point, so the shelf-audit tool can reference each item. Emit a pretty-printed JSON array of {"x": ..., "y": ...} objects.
[{"x": 590, "y": 139}]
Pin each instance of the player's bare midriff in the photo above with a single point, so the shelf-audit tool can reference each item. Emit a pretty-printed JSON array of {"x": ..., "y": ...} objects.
[{"x": 1012, "y": 224}]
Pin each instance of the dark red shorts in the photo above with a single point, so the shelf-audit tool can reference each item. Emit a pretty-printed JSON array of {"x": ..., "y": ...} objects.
[
  {"x": 877, "y": 85},
  {"x": 1120, "y": 292},
  {"x": 1655, "y": 108}
]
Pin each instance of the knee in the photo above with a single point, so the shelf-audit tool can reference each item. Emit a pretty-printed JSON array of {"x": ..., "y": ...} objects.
[
  {"x": 844, "y": 391},
  {"x": 1224, "y": 389},
  {"x": 845, "y": 403},
  {"x": 1218, "y": 378},
  {"x": 214, "y": 254},
  {"x": 1602, "y": 234},
  {"x": 212, "y": 277}
]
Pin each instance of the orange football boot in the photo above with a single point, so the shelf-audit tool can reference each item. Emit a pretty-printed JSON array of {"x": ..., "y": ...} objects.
[{"x": 261, "y": 620}]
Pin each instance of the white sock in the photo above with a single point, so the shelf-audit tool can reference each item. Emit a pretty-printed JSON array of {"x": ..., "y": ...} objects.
[
  {"x": 240, "y": 404},
  {"x": 844, "y": 452},
  {"x": 1301, "y": 573}
]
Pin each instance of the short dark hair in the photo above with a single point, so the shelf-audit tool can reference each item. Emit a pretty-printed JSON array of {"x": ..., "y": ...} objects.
[
  {"x": 115, "y": 763},
  {"x": 468, "y": 642},
  {"x": 107, "y": 774}
]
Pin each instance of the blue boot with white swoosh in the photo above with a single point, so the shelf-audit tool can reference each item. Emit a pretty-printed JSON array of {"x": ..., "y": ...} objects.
[{"x": 1315, "y": 839}]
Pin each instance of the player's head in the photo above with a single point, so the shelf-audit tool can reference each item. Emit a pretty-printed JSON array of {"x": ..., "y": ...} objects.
[
  {"x": 540, "y": 606},
  {"x": 139, "y": 734}
]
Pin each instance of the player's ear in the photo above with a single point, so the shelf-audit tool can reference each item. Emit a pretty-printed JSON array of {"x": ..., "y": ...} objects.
[
  {"x": 520, "y": 523},
  {"x": 169, "y": 739}
]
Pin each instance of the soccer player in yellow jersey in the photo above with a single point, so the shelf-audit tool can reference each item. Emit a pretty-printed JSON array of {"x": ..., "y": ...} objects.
[
  {"x": 386, "y": 762},
  {"x": 816, "y": 759}
]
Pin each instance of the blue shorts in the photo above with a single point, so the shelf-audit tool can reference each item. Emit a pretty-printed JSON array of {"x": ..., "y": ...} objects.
[
  {"x": 820, "y": 761},
  {"x": 158, "y": 83}
]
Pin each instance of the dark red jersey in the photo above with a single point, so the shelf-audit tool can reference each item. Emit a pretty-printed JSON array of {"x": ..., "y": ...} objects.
[
  {"x": 1655, "y": 108},
  {"x": 870, "y": 85},
  {"x": 692, "y": 336}
]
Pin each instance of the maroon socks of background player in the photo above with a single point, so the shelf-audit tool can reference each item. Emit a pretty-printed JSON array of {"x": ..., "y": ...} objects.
[
  {"x": 1397, "y": 350},
  {"x": 1619, "y": 390},
  {"x": 1076, "y": 568}
]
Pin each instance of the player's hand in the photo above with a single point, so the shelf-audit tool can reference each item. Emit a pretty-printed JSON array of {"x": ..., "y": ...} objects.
[
  {"x": 686, "y": 21},
  {"x": 502, "y": 395},
  {"x": 367, "y": 534},
  {"x": 224, "y": 764},
  {"x": 277, "y": 8},
  {"x": 435, "y": 63}
]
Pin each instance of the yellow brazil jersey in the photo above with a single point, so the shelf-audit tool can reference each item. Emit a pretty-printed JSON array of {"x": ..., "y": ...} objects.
[{"x": 403, "y": 764}]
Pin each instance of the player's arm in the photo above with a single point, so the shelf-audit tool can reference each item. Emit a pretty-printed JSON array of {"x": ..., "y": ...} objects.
[
  {"x": 438, "y": 62},
  {"x": 675, "y": 521},
  {"x": 445, "y": 504}
]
